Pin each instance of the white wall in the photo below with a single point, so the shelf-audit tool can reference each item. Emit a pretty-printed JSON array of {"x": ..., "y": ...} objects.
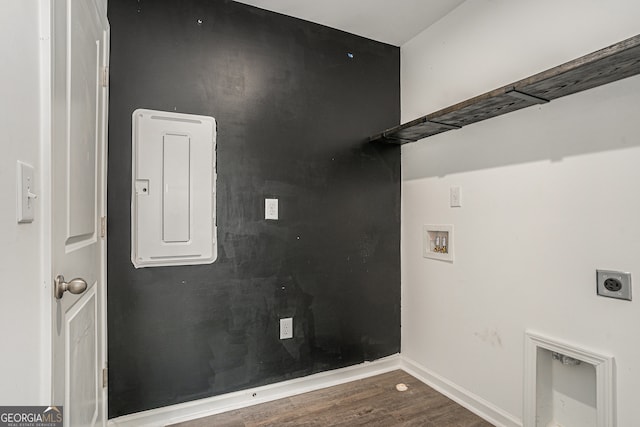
[
  {"x": 550, "y": 194},
  {"x": 20, "y": 266}
]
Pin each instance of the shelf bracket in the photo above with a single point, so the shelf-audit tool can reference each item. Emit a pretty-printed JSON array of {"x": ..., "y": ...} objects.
[
  {"x": 395, "y": 138},
  {"x": 445, "y": 125},
  {"x": 526, "y": 97}
]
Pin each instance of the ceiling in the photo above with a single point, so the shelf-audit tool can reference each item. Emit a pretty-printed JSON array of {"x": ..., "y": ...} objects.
[{"x": 389, "y": 21}]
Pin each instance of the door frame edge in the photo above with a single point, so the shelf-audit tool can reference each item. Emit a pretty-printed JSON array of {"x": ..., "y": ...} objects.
[{"x": 45, "y": 210}]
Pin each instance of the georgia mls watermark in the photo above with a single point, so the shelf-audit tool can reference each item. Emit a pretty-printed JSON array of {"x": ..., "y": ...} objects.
[{"x": 30, "y": 416}]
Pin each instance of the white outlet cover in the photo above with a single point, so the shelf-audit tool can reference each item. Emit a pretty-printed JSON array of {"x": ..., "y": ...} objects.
[{"x": 286, "y": 328}]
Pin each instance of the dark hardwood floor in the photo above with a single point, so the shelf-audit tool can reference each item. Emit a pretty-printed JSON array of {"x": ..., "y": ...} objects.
[{"x": 372, "y": 401}]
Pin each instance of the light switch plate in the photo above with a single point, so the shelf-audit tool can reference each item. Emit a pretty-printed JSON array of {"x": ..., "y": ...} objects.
[
  {"x": 26, "y": 193},
  {"x": 455, "y": 197},
  {"x": 270, "y": 208}
]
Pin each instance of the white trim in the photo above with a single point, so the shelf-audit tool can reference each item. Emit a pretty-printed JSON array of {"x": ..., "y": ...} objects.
[
  {"x": 46, "y": 268},
  {"x": 240, "y": 399},
  {"x": 465, "y": 398},
  {"x": 603, "y": 364},
  {"x": 102, "y": 364}
]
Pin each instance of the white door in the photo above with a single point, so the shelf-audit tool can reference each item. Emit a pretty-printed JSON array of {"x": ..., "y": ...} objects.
[{"x": 79, "y": 57}]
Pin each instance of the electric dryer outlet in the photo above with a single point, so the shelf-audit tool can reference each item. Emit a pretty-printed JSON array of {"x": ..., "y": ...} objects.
[{"x": 614, "y": 284}]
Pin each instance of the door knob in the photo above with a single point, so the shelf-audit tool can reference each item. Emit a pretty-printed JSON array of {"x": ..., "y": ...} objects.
[{"x": 75, "y": 286}]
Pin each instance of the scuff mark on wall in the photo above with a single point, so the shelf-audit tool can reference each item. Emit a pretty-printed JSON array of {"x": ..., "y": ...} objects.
[{"x": 490, "y": 336}]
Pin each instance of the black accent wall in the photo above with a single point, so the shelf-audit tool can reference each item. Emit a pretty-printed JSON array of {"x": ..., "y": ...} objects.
[{"x": 295, "y": 103}]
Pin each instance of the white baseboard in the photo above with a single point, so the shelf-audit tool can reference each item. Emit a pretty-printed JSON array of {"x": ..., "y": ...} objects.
[
  {"x": 240, "y": 399},
  {"x": 465, "y": 398}
]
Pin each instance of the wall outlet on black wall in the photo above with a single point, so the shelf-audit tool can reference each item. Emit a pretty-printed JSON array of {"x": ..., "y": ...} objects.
[{"x": 286, "y": 328}]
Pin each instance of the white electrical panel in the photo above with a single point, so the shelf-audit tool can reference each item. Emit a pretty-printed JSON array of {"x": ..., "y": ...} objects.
[{"x": 173, "y": 189}]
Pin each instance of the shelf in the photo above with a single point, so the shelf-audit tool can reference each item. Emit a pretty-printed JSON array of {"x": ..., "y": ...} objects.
[{"x": 604, "y": 66}]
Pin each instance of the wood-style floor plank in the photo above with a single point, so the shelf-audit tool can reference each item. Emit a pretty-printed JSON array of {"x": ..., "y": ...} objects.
[{"x": 371, "y": 401}]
